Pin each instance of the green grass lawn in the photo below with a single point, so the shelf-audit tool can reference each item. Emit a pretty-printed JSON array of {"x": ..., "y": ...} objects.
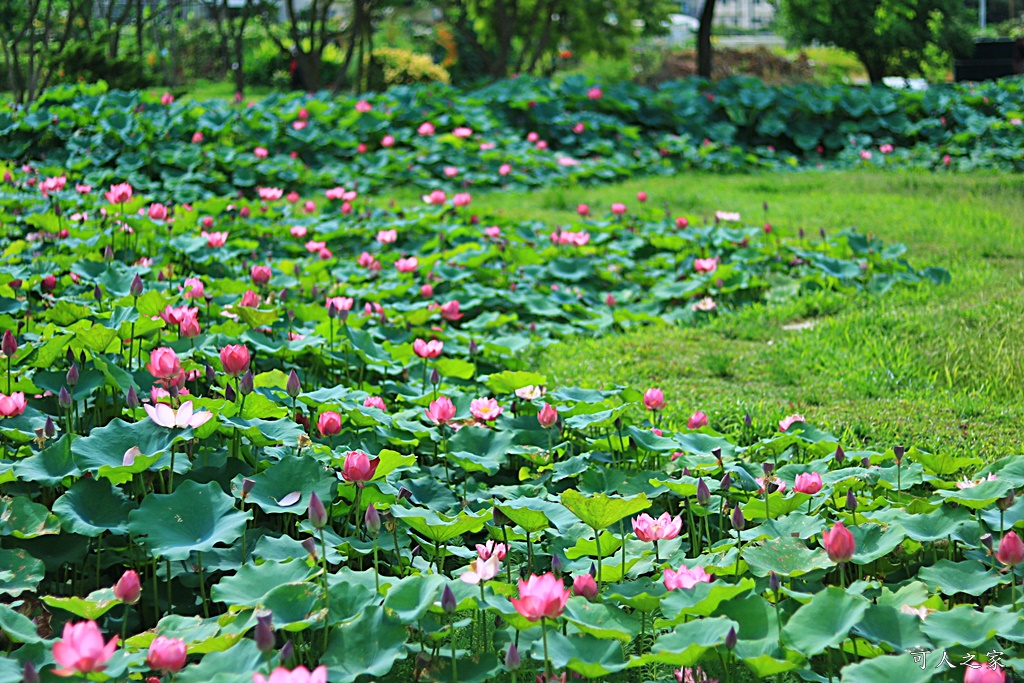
[{"x": 940, "y": 367}]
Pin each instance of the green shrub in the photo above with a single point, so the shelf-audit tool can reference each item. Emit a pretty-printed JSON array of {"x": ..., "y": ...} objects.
[{"x": 89, "y": 61}]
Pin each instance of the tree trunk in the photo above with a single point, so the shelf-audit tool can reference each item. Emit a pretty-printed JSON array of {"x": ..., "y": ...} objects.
[{"x": 707, "y": 15}]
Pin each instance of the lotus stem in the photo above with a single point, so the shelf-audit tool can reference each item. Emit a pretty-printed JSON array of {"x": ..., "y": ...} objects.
[
  {"x": 202, "y": 585},
  {"x": 597, "y": 540},
  {"x": 544, "y": 636},
  {"x": 327, "y": 590},
  {"x": 455, "y": 662}
]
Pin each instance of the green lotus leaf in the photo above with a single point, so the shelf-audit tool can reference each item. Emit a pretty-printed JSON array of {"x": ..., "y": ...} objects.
[
  {"x": 409, "y": 599},
  {"x": 969, "y": 576},
  {"x": 965, "y": 626},
  {"x": 601, "y": 511},
  {"x": 586, "y": 655},
  {"x": 94, "y": 506},
  {"x": 251, "y": 583},
  {"x": 370, "y": 644},
  {"x": 92, "y": 607},
  {"x": 888, "y": 669},
  {"x": 601, "y": 621},
  {"x": 824, "y": 622},
  {"x": 785, "y": 555},
  {"x": 436, "y": 526}
]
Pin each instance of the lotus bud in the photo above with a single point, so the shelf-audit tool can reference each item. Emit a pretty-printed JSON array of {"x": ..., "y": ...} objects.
[
  {"x": 801, "y": 233},
  {"x": 703, "y": 492},
  {"x": 229, "y": 394},
  {"x": 332, "y": 310},
  {"x": 211, "y": 374},
  {"x": 287, "y": 652},
  {"x": 128, "y": 588},
  {"x": 747, "y": 420},
  {"x": 717, "y": 452},
  {"x": 435, "y": 377},
  {"x": 821, "y": 232},
  {"x": 840, "y": 455},
  {"x": 618, "y": 423},
  {"x": 448, "y": 603},
  {"x": 593, "y": 570},
  {"x": 108, "y": 254},
  {"x": 898, "y": 451},
  {"x": 293, "y": 387},
  {"x": 10, "y": 344},
  {"x": 173, "y": 392},
  {"x": 730, "y": 638},
  {"x": 70, "y": 355},
  {"x": 851, "y": 501},
  {"x": 473, "y": 348},
  {"x": 512, "y": 659},
  {"x": 247, "y": 486},
  {"x": 372, "y": 520},
  {"x": 500, "y": 518},
  {"x": 309, "y": 545},
  {"x": 29, "y": 674},
  {"x": 97, "y": 293},
  {"x": 865, "y": 462},
  {"x": 81, "y": 356},
  {"x": 726, "y": 482},
  {"x": 264, "y": 634},
  {"x": 49, "y": 429},
  {"x": 774, "y": 583},
  {"x": 317, "y": 511},
  {"x": 1006, "y": 501},
  {"x": 132, "y": 399},
  {"x": 72, "y": 376},
  {"x": 245, "y": 386},
  {"x": 738, "y": 522},
  {"x": 686, "y": 472},
  {"x": 556, "y": 566},
  {"x": 64, "y": 398},
  {"x": 136, "y": 288}
]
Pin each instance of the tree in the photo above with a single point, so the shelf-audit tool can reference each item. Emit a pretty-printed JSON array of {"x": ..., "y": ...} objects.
[
  {"x": 507, "y": 37},
  {"x": 887, "y": 36},
  {"x": 33, "y": 33},
  {"x": 231, "y": 30},
  {"x": 707, "y": 16}
]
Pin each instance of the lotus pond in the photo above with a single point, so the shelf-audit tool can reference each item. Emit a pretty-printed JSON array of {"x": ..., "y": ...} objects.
[{"x": 299, "y": 438}]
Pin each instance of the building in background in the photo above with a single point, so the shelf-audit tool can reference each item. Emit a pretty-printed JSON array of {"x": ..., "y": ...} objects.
[{"x": 744, "y": 14}]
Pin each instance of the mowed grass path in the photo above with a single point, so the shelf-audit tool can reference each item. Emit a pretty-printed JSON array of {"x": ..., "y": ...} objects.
[{"x": 940, "y": 367}]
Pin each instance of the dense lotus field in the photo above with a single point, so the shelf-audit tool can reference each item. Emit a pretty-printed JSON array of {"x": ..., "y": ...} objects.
[{"x": 519, "y": 133}]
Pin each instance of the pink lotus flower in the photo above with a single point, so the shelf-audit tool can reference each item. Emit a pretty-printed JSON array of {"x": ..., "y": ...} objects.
[
  {"x": 654, "y": 399},
  {"x": 808, "y": 482},
  {"x": 13, "y": 405},
  {"x": 335, "y": 193},
  {"x": 706, "y": 304},
  {"x": 441, "y": 411},
  {"x": 299, "y": 125},
  {"x": 194, "y": 288},
  {"x": 375, "y": 402},
  {"x": 865, "y": 155},
  {"x": 966, "y": 483},
  {"x": 481, "y": 570},
  {"x": 485, "y": 146},
  {"x": 618, "y": 208},
  {"x": 166, "y": 99},
  {"x": 609, "y": 300},
  {"x": 781, "y": 485},
  {"x": 235, "y": 359},
  {"x": 329, "y": 423},
  {"x": 689, "y": 675},
  {"x": 157, "y": 212},
  {"x": 641, "y": 196},
  {"x": 387, "y": 141},
  {"x": 387, "y": 236},
  {"x": 989, "y": 673},
  {"x": 697, "y": 420},
  {"x": 299, "y": 675},
  {"x": 119, "y": 194},
  {"x": 547, "y": 416},
  {"x": 705, "y": 265},
  {"x": 946, "y": 159},
  {"x": 407, "y": 265},
  {"x": 128, "y": 588},
  {"x": 313, "y": 246},
  {"x": 583, "y": 210},
  {"x": 166, "y": 654},
  {"x": 451, "y": 171},
  {"x": 260, "y": 274},
  {"x": 541, "y": 597},
  {"x": 1016, "y": 122},
  {"x": 83, "y": 189},
  {"x": 450, "y": 310},
  {"x": 485, "y": 409},
  {"x": 250, "y": 299},
  {"x": 435, "y": 197},
  {"x": 579, "y": 128},
  {"x": 165, "y": 416},
  {"x": 298, "y": 231},
  {"x": 504, "y": 169},
  {"x": 542, "y": 145},
  {"x": 362, "y": 106},
  {"x": 532, "y": 137},
  {"x": 685, "y": 578},
  {"x": 207, "y": 222},
  {"x": 189, "y": 326},
  {"x": 426, "y": 129},
  {"x": 164, "y": 363},
  {"x": 462, "y": 132},
  {"x": 682, "y": 222},
  {"x": 462, "y": 199},
  {"x": 786, "y": 422},
  {"x": 886, "y": 148},
  {"x": 53, "y": 184},
  {"x": 839, "y": 543},
  {"x": 594, "y": 94},
  {"x": 486, "y": 550},
  {"x": 261, "y": 152},
  {"x": 494, "y": 232},
  {"x": 341, "y": 303},
  {"x": 359, "y": 468},
  {"x": 197, "y": 138},
  {"x": 664, "y": 528},
  {"x": 727, "y": 216},
  {"x": 270, "y": 194},
  {"x": 81, "y": 649}
]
